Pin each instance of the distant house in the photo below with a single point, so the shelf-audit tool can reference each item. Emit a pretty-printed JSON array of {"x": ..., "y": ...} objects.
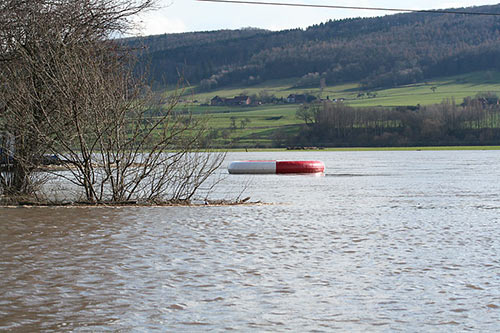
[
  {"x": 492, "y": 100},
  {"x": 483, "y": 101},
  {"x": 238, "y": 100},
  {"x": 217, "y": 101},
  {"x": 292, "y": 98},
  {"x": 235, "y": 101},
  {"x": 300, "y": 98}
]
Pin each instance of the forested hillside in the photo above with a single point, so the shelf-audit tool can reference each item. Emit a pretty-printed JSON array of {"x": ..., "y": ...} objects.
[{"x": 377, "y": 52}]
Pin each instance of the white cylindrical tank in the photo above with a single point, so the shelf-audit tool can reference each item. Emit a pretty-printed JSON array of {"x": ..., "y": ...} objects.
[
  {"x": 271, "y": 167},
  {"x": 252, "y": 167}
]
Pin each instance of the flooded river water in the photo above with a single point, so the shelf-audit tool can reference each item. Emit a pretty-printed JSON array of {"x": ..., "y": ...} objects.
[{"x": 384, "y": 241}]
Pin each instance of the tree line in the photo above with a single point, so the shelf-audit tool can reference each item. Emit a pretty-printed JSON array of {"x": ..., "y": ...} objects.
[{"x": 476, "y": 121}]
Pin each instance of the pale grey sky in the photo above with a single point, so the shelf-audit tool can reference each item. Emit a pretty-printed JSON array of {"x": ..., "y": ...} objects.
[{"x": 191, "y": 15}]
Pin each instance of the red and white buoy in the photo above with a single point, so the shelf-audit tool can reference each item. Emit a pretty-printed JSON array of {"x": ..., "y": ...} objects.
[{"x": 272, "y": 167}]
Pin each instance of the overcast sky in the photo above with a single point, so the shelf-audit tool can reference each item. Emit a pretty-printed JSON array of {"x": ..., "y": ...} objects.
[{"x": 191, "y": 15}]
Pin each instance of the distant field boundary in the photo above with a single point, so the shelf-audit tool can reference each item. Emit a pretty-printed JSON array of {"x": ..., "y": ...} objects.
[
  {"x": 428, "y": 92},
  {"x": 353, "y": 149}
]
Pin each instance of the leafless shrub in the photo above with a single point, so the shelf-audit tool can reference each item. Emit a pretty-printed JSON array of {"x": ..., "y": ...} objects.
[{"x": 70, "y": 91}]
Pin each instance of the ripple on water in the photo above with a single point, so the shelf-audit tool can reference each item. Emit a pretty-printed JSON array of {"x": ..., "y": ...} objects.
[{"x": 384, "y": 242}]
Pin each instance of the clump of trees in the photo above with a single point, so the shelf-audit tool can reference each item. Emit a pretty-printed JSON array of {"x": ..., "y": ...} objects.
[
  {"x": 474, "y": 122},
  {"x": 67, "y": 89}
]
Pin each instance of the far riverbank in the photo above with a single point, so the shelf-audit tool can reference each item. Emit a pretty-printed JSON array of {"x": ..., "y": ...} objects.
[{"x": 431, "y": 148}]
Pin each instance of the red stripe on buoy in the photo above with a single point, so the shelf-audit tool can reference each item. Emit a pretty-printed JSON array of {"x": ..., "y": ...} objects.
[
  {"x": 299, "y": 167},
  {"x": 269, "y": 167}
]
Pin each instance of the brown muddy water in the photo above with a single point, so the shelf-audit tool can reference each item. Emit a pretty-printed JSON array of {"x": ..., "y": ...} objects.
[{"x": 384, "y": 241}]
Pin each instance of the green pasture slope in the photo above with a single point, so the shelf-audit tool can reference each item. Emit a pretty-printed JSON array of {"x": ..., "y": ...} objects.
[
  {"x": 249, "y": 126},
  {"x": 262, "y": 123},
  {"x": 455, "y": 87}
]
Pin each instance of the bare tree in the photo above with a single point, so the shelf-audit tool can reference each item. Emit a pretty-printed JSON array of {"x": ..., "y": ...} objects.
[
  {"x": 116, "y": 149},
  {"x": 309, "y": 112},
  {"x": 70, "y": 90}
]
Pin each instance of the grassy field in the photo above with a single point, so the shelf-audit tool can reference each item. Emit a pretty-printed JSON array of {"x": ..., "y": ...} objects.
[
  {"x": 453, "y": 87},
  {"x": 252, "y": 125},
  {"x": 260, "y": 123},
  {"x": 456, "y": 87}
]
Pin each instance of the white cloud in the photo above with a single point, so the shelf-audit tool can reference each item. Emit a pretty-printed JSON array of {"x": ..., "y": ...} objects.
[
  {"x": 155, "y": 23},
  {"x": 431, "y": 4},
  {"x": 190, "y": 15}
]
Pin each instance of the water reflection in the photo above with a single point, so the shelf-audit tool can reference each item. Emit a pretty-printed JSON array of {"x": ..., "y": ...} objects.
[{"x": 386, "y": 241}]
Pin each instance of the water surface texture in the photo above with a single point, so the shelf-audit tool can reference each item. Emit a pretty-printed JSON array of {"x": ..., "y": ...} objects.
[{"x": 384, "y": 241}]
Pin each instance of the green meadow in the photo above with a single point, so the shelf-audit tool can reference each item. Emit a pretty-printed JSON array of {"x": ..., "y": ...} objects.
[
  {"x": 255, "y": 126},
  {"x": 453, "y": 87}
]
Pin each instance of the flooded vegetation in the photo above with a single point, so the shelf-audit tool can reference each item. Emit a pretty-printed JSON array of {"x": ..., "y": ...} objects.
[{"x": 394, "y": 240}]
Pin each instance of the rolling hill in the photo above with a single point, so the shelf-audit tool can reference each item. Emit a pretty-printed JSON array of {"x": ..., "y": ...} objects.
[{"x": 378, "y": 52}]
